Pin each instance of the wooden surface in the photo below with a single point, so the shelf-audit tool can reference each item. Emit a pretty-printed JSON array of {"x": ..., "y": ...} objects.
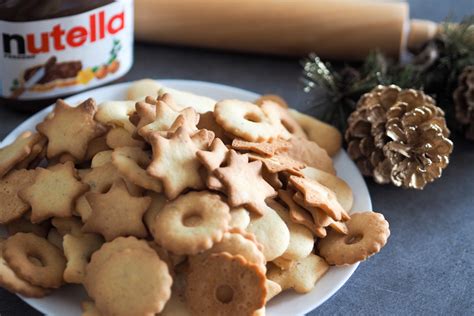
[
  {"x": 427, "y": 266},
  {"x": 340, "y": 29}
]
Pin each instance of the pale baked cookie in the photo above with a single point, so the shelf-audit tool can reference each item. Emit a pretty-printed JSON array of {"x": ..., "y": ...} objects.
[
  {"x": 245, "y": 120},
  {"x": 302, "y": 276},
  {"x": 270, "y": 231}
]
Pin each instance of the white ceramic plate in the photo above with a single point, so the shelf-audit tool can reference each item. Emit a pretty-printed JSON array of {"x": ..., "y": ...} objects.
[{"x": 66, "y": 301}]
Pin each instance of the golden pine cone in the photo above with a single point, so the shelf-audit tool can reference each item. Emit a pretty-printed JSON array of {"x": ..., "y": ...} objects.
[
  {"x": 399, "y": 136},
  {"x": 463, "y": 98}
]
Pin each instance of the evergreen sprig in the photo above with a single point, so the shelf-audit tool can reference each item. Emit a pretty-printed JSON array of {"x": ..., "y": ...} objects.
[{"x": 434, "y": 69}]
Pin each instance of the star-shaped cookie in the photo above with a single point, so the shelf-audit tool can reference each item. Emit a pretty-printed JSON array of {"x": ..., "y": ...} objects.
[
  {"x": 301, "y": 276},
  {"x": 17, "y": 151},
  {"x": 70, "y": 129},
  {"x": 317, "y": 195},
  {"x": 11, "y": 206},
  {"x": 212, "y": 160},
  {"x": 174, "y": 160},
  {"x": 53, "y": 192},
  {"x": 116, "y": 213},
  {"x": 244, "y": 183},
  {"x": 165, "y": 116}
]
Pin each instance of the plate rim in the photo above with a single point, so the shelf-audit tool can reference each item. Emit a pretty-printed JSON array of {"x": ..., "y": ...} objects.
[{"x": 172, "y": 82}]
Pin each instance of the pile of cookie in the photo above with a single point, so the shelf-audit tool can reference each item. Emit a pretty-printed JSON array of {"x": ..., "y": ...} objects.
[{"x": 177, "y": 204}]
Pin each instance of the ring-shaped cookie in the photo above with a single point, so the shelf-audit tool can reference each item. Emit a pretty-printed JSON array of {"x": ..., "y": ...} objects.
[
  {"x": 367, "y": 234},
  {"x": 245, "y": 120},
  {"x": 192, "y": 223},
  {"x": 225, "y": 285},
  {"x": 35, "y": 260}
]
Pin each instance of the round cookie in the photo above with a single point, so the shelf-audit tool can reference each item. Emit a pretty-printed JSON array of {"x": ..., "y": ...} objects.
[
  {"x": 35, "y": 260},
  {"x": 368, "y": 233},
  {"x": 191, "y": 223},
  {"x": 245, "y": 120},
  {"x": 270, "y": 231},
  {"x": 10, "y": 281},
  {"x": 132, "y": 280},
  {"x": 105, "y": 252},
  {"x": 225, "y": 285},
  {"x": 239, "y": 242}
]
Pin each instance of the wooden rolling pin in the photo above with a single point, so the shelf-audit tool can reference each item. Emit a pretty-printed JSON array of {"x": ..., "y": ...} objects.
[{"x": 334, "y": 29}]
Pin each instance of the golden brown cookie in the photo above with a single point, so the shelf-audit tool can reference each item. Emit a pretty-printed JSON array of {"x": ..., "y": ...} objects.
[
  {"x": 10, "y": 281},
  {"x": 208, "y": 121},
  {"x": 35, "y": 260},
  {"x": 191, "y": 223},
  {"x": 68, "y": 225},
  {"x": 279, "y": 163},
  {"x": 325, "y": 135},
  {"x": 174, "y": 161},
  {"x": 96, "y": 146},
  {"x": 78, "y": 250},
  {"x": 116, "y": 213},
  {"x": 212, "y": 160},
  {"x": 36, "y": 155},
  {"x": 101, "y": 178},
  {"x": 302, "y": 276},
  {"x": 265, "y": 149},
  {"x": 131, "y": 163},
  {"x": 131, "y": 280},
  {"x": 244, "y": 184},
  {"x": 317, "y": 195},
  {"x": 225, "y": 285},
  {"x": 17, "y": 151},
  {"x": 11, "y": 206},
  {"x": 53, "y": 192},
  {"x": 105, "y": 252},
  {"x": 119, "y": 137},
  {"x": 340, "y": 187},
  {"x": 24, "y": 225},
  {"x": 300, "y": 215},
  {"x": 238, "y": 242},
  {"x": 368, "y": 233},
  {"x": 310, "y": 154},
  {"x": 70, "y": 129}
]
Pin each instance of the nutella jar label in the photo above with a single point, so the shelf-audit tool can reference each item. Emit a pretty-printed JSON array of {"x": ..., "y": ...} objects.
[{"x": 55, "y": 57}]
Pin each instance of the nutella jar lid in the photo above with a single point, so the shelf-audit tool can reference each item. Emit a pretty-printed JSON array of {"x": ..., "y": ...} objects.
[{"x": 60, "y": 47}]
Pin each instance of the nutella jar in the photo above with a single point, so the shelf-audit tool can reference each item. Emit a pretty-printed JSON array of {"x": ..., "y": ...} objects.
[{"x": 55, "y": 48}]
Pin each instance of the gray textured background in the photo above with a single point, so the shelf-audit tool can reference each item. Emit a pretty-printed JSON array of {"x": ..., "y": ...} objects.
[{"x": 427, "y": 266}]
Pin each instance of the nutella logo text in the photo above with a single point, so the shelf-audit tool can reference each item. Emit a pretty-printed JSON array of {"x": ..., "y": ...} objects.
[{"x": 99, "y": 26}]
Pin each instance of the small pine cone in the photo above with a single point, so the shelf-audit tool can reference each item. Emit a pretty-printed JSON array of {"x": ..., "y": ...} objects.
[
  {"x": 399, "y": 136},
  {"x": 463, "y": 98}
]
